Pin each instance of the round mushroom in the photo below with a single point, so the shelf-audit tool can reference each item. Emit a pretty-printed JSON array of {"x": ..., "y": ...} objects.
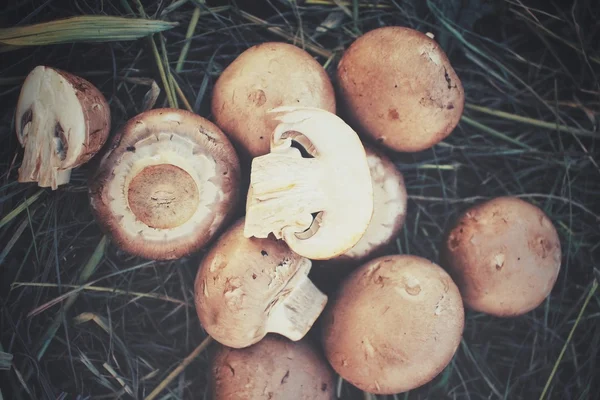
[
  {"x": 248, "y": 287},
  {"x": 504, "y": 255},
  {"x": 394, "y": 325},
  {"x": 167, "y": 185},
  {"x": 263, "y": 77},
  {"x": 273, "y": 369},
  {"x": 389, "y": 208},
  {"x": 398, "y": 88},
  {"x": 62, "y": 121},
  {"x": 319, "y": 204}
]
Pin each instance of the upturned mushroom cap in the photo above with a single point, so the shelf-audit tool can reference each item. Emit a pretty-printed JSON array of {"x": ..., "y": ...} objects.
[
  {"x": 399, "y": 88},
  {"x": 389, "y": 208},
  {"x": 273, "y": 369},
  {"x": 62, "y": 121},
  {"x": 248, "y": 287},
  {"x": 320, "y": 205},
  {"x": 394, "y": 325},
  {"x": 504, "y": 255},
  {"x": 167, "y": 185},
  {"x": 263, "y": 77}
]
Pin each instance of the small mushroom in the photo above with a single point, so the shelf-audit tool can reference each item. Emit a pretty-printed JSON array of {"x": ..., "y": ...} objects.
[
  {"x": 62, "y": 121},
  {"x": 505, "y": 256},
  {"x": 389, "y": 208},
  {"x": 248, "y": 287},
  {"x": 394, "y": 325},
  {"x": 167, "y": 185},
  {"x": 273, "y": 369},
  {"x": 399, "y": 88},
  {"x": 320, "y": 204},
  {"x": 263, "y": 77}
]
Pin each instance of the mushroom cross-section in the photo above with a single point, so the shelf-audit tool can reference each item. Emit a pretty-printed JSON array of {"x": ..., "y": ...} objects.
[
  {"x": 168, "y": 184},
  {"x": 319, "y": 205},
  {"x": 62, "y": 121},
  {"x": 389, "y": 211},
  {"x": 272, "y": 369},
  {"x": 248, "y": 287}
]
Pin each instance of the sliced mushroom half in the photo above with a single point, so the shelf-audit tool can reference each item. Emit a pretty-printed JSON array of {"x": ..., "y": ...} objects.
[
  {"x": 62, "y": 121},
  {"x": 319, "y": 204}
]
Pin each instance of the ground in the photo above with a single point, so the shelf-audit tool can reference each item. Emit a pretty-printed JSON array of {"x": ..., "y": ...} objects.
[{"x": 80, "y": 317}]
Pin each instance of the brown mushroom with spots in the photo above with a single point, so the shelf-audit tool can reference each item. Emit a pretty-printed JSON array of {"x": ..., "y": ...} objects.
[
  {"x": 248, "y": 287},
  {"x": 264, "y": 77},
  {"x": 167, "y": 186},
  {"x": 273, "y": 369},
  {"x": 62, "y": 121},
  {"x": 398, "y": 88},
  {"x": 394, "y": 325},
  {"x": 505, "y": 256}
]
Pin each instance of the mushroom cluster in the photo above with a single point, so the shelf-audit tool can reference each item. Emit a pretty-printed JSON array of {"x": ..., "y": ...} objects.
[{"x": 322, "y": 193}]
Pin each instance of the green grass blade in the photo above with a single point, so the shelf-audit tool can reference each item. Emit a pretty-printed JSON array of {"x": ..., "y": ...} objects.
[
  {"x": 88, "y": 270},
  {"x": 22, "y": 207},
  {"x": 569, "y": 338},
  {"x": 85, "y": 28}
]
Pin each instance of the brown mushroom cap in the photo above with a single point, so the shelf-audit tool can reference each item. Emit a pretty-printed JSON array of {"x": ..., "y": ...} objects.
[
  {"x": 264, "y": 77},
  {"x": 248, "y": 287},
  {"x": 394, "y": 325},
  {"x": 389, "y": 208},
  {"x": 399, "y": 88},
  {"x": 505, "y": 256},
  {"x": 273, "y": 369},
  {"x": 167, "y": 185}
]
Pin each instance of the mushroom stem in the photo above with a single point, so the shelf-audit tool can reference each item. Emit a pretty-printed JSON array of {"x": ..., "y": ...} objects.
[
  {"x": 297, "y": 308},
  {"x": 37, "y": 165}
]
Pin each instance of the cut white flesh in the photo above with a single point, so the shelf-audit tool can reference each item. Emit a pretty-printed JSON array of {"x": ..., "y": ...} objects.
[
  {"x": 287, "y": 190},
  {"x": 389, "y": 196},
  {"x": 61, "y": 121}
]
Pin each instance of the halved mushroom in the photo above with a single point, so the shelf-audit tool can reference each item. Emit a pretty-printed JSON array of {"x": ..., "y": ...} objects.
[
  {"x": 62, "y": 121},
  {"x": 248, "y": 287},
  {"x": 394, "y": 325},
  {"x": 400, "y": 89},
  {"x": 273, "y": 369},
  {"x": 320, "y": 205},
  {"x": 265, "y": 76},
  {"x": 389, "y": 208},
  {"x": 167, "y": 185},
  {"x": 504, "y": 255}
]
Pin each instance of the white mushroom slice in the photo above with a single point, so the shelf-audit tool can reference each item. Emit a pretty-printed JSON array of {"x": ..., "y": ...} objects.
[
  {"x": 62, "y": 121},
  {"x": 287, "y": 190}
]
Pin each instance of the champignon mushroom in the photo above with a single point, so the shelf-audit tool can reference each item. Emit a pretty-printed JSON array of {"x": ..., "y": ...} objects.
[
  {"x": 263, "y": 77},
  {"x": 389, "y": 208},
  {"x": 273, "y": 369},
  {"x": 248, "y": 287},
  {"x": 167, "y": 185},
  {"x": 505, "y": 256},
  {"x": 398, "y": 88},
  {"x": 321, "y": 204},
  {"x": 62, "y": 121},
  {"x": 395, "y": 324}
]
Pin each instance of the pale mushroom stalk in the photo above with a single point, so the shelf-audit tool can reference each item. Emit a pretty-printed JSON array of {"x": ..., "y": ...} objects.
[
  {"x": 62, "y": 121},
  {"x": 287, "y": 190},
  {"x": 297, "y": 306},
  {"x": 248, "y": 287}
]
